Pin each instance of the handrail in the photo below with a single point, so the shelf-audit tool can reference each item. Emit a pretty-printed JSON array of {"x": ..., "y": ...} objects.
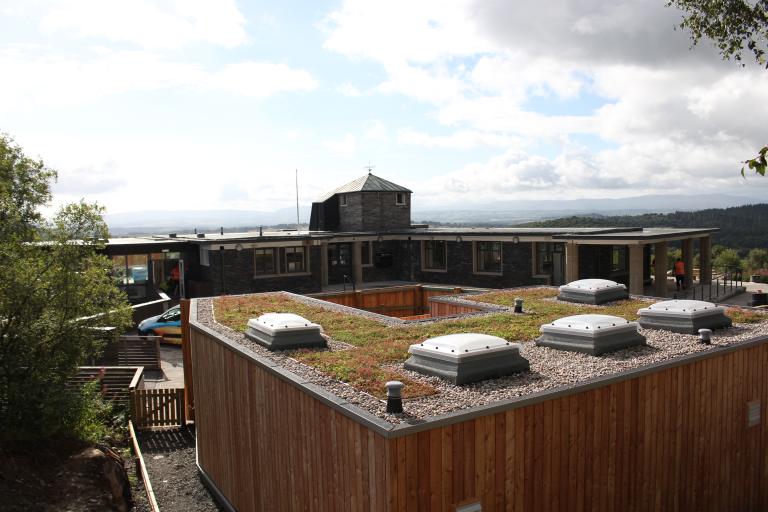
[{"x": 142, "y": 469}]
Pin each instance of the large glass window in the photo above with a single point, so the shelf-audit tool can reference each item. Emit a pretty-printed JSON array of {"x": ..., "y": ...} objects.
[
  {"x": 619, "y": 258},
  {"x": 544, "y": 257},
  {"x": 488, "y": 257},
  {"x": 435, "y": 257},
  {"x": 264, "y": 261},
  {"x": 338, "y": 254},
  {"x": 365, "y": 254},
  {"x": 294, "y": 259}
]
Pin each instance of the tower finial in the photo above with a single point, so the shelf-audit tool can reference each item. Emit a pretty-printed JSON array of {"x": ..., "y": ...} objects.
[{"x": 369, "y": 167}]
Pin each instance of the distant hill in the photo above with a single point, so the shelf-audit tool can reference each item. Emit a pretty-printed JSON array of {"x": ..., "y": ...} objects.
[{"x": 741, "y": 227}]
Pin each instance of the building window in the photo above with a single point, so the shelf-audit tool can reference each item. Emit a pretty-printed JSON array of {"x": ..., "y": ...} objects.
[
  {"x": 343, "y": 199},
  {"x": 618, "y": 258},
  {"x": 544, "y": 258},
  {"x": 264, "y": 262},
  {"x": 488, "y": 257},
  {"x": 295, "y": 260},
  {"x": 399, "y": 198},
  {"x": 435, "y": 255},
  {"x": 366, "y": 253},
  {"x": 338, "y": 254}
]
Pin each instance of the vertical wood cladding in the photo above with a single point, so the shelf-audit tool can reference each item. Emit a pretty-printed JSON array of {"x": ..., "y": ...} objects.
[
  {"x": 374, "y": 211},
  {"x": 672, "y": 439}
]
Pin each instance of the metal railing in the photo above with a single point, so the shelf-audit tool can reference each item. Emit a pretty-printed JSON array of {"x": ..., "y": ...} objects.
[
  {"x": 725, "y": 280},
  {"x": 346, "y": 279}
]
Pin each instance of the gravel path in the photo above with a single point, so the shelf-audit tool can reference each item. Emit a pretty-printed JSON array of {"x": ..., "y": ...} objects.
[
  {"x": 549, "y": 368},
  {"x": 170, "y": 459}
]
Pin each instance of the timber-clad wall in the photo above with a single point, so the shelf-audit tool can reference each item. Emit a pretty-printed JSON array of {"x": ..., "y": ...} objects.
[{"x": 673, "y": 437}]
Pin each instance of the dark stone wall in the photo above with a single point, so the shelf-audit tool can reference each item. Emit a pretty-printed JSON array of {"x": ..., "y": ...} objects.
[
  {"x": 397, "y": 271},
  {"x": 238, "y": 274},
  {"x": 595, "y": 263},
  {"x": 516, "y": 267},
  {"x": 374, "y": 211}
]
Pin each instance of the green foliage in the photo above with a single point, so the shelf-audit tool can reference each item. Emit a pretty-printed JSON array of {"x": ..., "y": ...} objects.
[
  {"x": 727, "y": 258},
  {"x": 381, "y": 345},
  {"x": 54, "y": 289},
  {"x": 757, "y": 259},
  {"x": 759, "y": 164},
  {"x": 730, "y": 24},
  {"x": 741, "y": 227}
]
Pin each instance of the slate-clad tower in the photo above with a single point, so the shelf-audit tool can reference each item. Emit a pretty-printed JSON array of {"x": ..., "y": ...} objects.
[{"x": 368, "y": 203}]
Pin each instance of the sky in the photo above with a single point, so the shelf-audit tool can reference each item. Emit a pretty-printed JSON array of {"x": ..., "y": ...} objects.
[{"x": 214, "y": 104}]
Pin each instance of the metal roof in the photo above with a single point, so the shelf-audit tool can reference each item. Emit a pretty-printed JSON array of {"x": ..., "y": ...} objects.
[{"x": 367, "y": 183}]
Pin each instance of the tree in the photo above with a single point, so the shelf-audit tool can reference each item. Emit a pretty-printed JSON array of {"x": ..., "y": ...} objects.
[
  {"x": 727, "y": 259},
  {"x": 54, "y": 290},
  {"x": 757, "y": 259},
  {"x": 731, "y": 25}
]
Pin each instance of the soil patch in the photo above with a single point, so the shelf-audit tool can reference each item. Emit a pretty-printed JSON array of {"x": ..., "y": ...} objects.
[
  {"x": 170, "y": 458},
  {"x": 53, "y": 477}
]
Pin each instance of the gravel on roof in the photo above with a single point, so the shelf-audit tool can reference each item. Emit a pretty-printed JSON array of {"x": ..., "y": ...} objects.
[{"x": 549, "y": 368}]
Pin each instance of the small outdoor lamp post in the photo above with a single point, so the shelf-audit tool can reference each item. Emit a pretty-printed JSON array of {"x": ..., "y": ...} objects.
[{"x": 518, "y": 305}]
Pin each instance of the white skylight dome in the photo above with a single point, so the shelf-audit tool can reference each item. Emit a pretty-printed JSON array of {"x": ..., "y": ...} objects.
[
  {"x": 683, "y": 316},
  {"x": 593, "y": 334},
  {"x": 466, "y": 357},
  {"x": 285, "y": 331},
  {"x": 592, "y": 291}
]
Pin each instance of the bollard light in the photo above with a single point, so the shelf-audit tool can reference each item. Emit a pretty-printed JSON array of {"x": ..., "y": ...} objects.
[
  {"x": 705, "y": 336},
  {"x": 518, "y": 305},
  {"x": 394, "y": 396}
]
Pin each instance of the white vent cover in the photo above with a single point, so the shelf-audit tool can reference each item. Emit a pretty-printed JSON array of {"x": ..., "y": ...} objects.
[
  {"x": 271, "y": 323},
  {"x": 592, "y": 285},
  {"x": 461, "y": 346}
]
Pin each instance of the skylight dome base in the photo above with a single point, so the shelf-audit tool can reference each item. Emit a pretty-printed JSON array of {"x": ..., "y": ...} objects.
[
  {"x": 593, "y": 291},
  {"x": 467, "y": 357},
  {"x": 683, "y": 316},
  {"x": 283, "y": 331},
  {"x": 591, "y": 334}
]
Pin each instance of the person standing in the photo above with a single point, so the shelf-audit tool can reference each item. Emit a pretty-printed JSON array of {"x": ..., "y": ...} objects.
[{"x": 679, "y": 274}]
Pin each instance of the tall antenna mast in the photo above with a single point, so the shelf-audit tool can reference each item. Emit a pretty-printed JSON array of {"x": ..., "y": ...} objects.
[{"x": 297, "y": 202}]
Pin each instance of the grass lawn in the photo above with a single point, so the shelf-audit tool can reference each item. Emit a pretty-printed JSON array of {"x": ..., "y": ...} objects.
[{"x": 381, "y": 344}]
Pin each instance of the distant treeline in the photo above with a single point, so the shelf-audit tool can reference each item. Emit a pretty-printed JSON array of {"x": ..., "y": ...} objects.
[{"x": 741, "y": 227}]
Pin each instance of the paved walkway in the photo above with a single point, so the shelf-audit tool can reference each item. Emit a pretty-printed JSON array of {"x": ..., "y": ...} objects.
[{"x": 172, "y": 375}]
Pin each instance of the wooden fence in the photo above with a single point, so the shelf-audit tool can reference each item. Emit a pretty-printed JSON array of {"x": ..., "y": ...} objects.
[
  {"x": 163, "y": 407},
  {"x": 686, "y": 434},
  {"x": 117, "y": 382},
  {"x": 407, "y": 302}
]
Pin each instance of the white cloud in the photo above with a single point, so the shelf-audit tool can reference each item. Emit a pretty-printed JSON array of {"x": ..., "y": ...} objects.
[
  {"x": 104, "y": 72},
  {"x": 148, "y": 24},
  {"x": 344, "y": 147},
  {"x": 464, "y": 139},
  {"x": 258, "y": 79},
  {"x": 347, "y": 89},
  {"x": 615, "y": 71}
]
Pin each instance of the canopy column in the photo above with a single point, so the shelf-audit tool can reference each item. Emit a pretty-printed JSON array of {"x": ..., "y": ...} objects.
[
  {"x": 357, "y": 262},
  {"x": 705, "y": 259},
  {"x": 323, "y": 265},
  {"x": 571, "y": 262},
  {"x": 636, "y": 269}
]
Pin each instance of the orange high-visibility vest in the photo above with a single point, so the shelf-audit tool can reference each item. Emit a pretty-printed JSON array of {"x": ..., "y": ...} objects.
[{"x": 679, "y": 268}]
